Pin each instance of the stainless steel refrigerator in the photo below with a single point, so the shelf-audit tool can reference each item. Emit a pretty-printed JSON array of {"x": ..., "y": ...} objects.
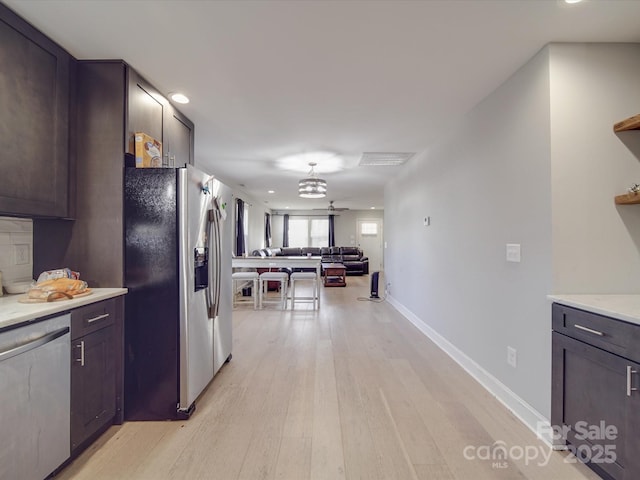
[{"x": 178, "y": 329}]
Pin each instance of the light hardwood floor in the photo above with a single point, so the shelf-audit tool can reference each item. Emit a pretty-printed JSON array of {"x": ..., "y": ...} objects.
[{"x": 352, "y": 391}]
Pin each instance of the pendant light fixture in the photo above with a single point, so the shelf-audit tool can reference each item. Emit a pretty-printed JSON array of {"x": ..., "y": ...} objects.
[{"x": 312, "y": 186}]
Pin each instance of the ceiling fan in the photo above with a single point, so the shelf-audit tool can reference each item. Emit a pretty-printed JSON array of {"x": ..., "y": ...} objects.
[{"x": 332, "y": 209}]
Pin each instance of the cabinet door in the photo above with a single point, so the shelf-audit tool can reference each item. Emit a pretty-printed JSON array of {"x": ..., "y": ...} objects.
[
  {"x": 591, "y": 402},
  {"x": 180, "y": 139},
  {"x": 93, "y": 384},
  {"x": 146, "y": 111},
  {"x": 35, "y": 76}
]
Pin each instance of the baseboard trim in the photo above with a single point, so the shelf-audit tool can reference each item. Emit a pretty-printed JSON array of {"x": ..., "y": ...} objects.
[{"x": 528, "y": 415}]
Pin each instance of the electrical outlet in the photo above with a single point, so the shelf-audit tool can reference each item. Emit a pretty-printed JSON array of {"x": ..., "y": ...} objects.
[
  {"x": 512, "y": 357},
  {"x": 21, "y": 253}
]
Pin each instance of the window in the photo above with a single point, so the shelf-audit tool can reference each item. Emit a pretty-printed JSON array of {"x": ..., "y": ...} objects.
[
  {"x": 319, "y": 232},
  {"x": 308, "y": 232},
  {"x": 368, "y": 228},
  {"x": 298, "y": 232}
]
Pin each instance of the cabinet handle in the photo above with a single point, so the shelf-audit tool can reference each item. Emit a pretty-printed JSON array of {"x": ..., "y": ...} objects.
[
  {"x": 81, "y": 347},
  {"x": 595, "y": 332},
  {"x": 630, "y": 371},
  {"x": 99, "y": 317}
]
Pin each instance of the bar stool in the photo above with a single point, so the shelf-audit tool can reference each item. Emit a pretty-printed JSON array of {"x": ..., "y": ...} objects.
[
  {"x": 244, "y": 277},
  {"x": 281, "y": 277},
  {"x": 308, "y": 277}
]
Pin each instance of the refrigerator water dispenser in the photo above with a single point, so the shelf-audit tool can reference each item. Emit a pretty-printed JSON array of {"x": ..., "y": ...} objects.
[{"x": 201, "y": 268}]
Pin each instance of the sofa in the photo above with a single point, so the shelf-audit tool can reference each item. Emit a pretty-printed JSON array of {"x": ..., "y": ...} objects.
[{"x": 351, "y": 257}]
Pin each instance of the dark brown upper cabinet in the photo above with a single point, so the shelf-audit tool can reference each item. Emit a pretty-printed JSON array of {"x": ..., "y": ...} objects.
[
  {"x": 146, "y": 110},
  {"x": 36, "y": 78},
  {"x": 113, "y": 103},
  {"x": 179, "y": 139},
  {"x": 150, "y": 112}
]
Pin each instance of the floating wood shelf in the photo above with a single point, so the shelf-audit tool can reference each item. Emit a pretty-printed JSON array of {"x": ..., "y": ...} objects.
[
  {"x": 631, "y": 123},
  {"x": 628, "y": 199}
]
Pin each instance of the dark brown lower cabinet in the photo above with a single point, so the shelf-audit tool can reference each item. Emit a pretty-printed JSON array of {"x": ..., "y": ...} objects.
[
  {"x": 595, "y": 398},
  {"x": 93, "y": 392},
  {"x": 94, "y": 370}
]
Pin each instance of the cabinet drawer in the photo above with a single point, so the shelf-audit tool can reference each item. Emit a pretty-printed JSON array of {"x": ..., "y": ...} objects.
[
  {"x": 615, "y": 336},
  {"x": 92, "y": 317}
]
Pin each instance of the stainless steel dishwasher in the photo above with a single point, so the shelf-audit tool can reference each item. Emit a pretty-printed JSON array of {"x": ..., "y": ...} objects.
[{"x": 34, "y": 398}]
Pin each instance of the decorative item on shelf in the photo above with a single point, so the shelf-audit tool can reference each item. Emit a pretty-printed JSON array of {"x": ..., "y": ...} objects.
[
  {"x": 312, "y": 186},
  {"x": 631, "y": 197}
]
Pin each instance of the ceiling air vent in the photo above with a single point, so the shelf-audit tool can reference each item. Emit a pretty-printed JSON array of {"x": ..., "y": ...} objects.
[{"x": 385, "y": 159}]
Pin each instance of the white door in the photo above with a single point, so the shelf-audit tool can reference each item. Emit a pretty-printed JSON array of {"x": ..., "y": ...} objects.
[{"x": 370, "y": 241}]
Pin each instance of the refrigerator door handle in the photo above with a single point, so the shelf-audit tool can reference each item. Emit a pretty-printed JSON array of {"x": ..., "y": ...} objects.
[
  {"x": 215, "y": 224},
  {"x": 218, "y": 264},
  {"x": 212, "y": 303}
]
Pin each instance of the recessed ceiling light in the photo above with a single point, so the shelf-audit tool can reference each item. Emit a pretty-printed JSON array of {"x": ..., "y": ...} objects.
[
  {"x": 271, "y": 191},
  {"x": 325, "y": 162},
  {"x": 179, "y": 97},
  {"x": 373, "y": 208},
  {"x": 572, "y": 1},
  {"x": 286, "y": 208}
]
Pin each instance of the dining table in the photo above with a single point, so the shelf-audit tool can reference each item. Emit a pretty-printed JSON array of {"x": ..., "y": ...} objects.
[{"x": 281, "y": 262}]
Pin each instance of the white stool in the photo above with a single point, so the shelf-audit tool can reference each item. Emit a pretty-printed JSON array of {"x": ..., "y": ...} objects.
[
  {"x": 244, "y": 277},
  {"x": 308, "y": 277},
  {"x": 281, "y": 277}
]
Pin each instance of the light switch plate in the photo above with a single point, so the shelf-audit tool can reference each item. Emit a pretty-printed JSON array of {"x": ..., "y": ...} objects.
[
  {"x": 513, "y": 252},
  {"x": 427, "y": 221}
]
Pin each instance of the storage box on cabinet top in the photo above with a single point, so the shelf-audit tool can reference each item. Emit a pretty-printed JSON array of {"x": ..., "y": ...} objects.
[{"x": 148, "y": 151}]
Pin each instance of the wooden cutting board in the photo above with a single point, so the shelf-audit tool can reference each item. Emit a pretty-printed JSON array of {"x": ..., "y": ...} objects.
[{"x": 26, "y": 299}]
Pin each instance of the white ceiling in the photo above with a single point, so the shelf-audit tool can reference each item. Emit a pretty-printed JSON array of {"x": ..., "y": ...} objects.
[{"x": 273, "y": 78}]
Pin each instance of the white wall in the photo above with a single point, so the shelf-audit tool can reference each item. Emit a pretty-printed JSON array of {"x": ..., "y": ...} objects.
[
  {"x": 595, "y": 242},
  {"x": 486, "y": 185},
  {"x": 535, "y": 163},
  {"x": 15, "y": 231},
  {"x": 347, "y": 225}
]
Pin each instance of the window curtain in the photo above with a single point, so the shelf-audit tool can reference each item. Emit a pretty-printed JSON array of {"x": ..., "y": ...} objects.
[
  {"x": 239, "y": 227},
  {"x": 267, "y": 229},
  {"x": 285, "y": 230},
  {"x": 332, "y": 231}
]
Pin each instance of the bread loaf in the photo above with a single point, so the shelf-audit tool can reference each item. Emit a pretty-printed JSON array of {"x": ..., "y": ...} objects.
[{"x": 68, "y": 286}]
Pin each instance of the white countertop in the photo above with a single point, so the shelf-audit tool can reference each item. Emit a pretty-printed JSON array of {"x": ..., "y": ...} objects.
[
  {"x": 622, "y": 307},
  {"x": 13, "y": 312}
]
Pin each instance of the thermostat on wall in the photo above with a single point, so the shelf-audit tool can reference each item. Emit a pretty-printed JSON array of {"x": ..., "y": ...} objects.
[{"x": 513, "y": 252}]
